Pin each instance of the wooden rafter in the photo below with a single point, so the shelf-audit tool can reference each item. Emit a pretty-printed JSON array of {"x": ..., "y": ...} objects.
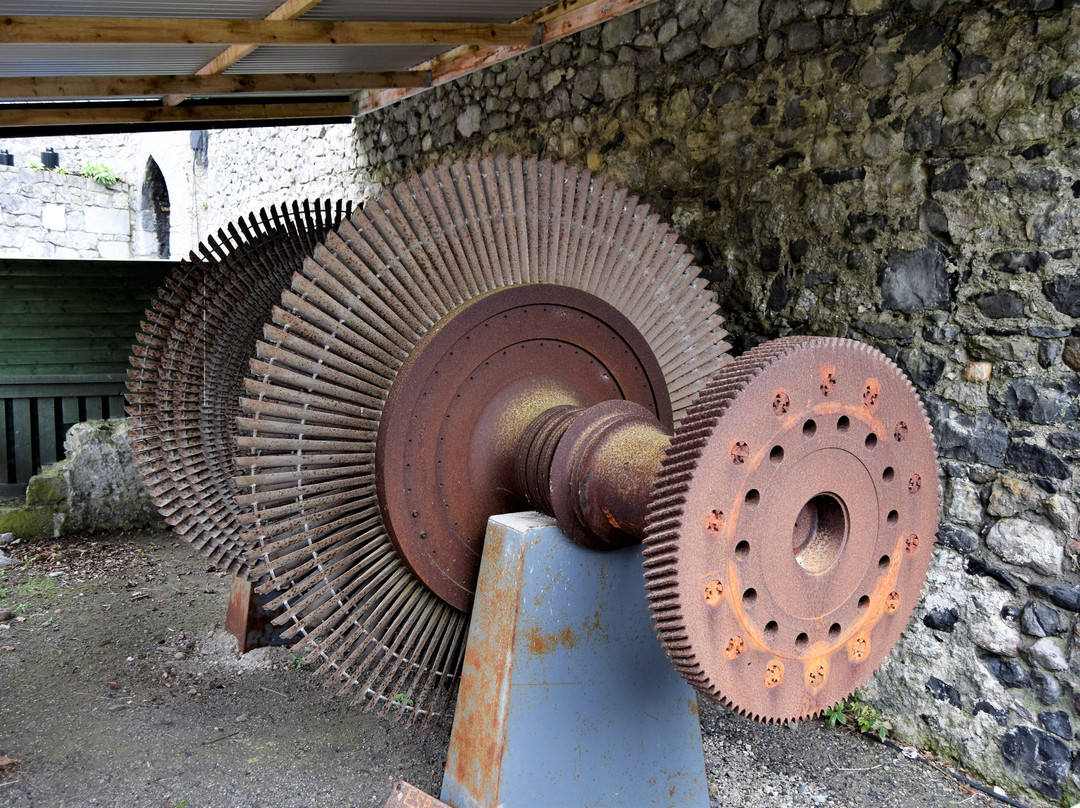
[
  {"x": 219, "y": 84},
  {"x": 561, "y": 19},
  {"x": 289, "y": 10},
  {"x": 183, "y": 31},
  {"x": 86, "y": 115}
]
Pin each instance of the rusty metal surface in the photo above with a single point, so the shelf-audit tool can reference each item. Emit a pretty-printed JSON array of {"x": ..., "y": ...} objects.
[
  {"x": 246, "y": 619},
  {"x": 602, "y": 472},
  {"x": 458, "y": 407},
  {"x": 404, "y": 795},
  {"x": 792, "y": 526},
  {"x": 190, "y": 364},
  {"x": 364, "y": 300}
]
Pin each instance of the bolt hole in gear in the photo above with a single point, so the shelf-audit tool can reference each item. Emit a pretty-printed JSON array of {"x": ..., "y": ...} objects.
[{"x": 508, "y": 333}]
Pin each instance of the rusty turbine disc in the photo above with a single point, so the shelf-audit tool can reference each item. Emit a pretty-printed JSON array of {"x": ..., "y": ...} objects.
[
  {"x": 792, "y": 526},
  {"x": 190, "y": 362},
  {"x": 395, "y": 272}
]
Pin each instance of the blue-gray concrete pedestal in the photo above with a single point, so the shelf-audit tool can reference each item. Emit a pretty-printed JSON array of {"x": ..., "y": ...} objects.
[{"x": 567, "y": 698}]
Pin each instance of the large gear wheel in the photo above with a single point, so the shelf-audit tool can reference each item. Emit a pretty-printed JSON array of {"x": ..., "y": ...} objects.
[
  {"x": 396, "y": 309},
  {"x": 792, "y": 526},
  {"x": 190, "y": 362}
]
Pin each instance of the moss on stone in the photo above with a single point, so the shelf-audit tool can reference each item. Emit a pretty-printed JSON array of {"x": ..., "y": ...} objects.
[
  {"x": 28, "y": 522},
  {"x": 47, "y": 488}
]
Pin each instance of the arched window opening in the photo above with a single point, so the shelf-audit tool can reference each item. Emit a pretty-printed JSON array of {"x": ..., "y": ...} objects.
[{"x": 155, "y": 209}]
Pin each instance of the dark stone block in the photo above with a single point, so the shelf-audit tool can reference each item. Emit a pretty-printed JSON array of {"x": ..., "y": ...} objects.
[
  {"x": 1067, "y": 597},
  {"x": 879, "y": 108},
  {"x": 922, "y": 132},
  {"x": 941, "y": 619},
  {"x": 1007, "y": 671},
  {"x": 999, "y": 305},
  {"x": 956, "y": 538},
  {"x": 999, "y": 715},
  {"x": 728, "y": 92},
  {"x": 1064, "y": 293},
  {"x": 933, "y": 219},
  {"x": 1066, "y": 441},
  {"x": 943, "y": 691},
  {"x": 1057, "y": 722},
  {"x": 954, "y": 178},
  {"x": 1048, "y": 354},
  {"x": 1019, "y": 260},
  {"x": 971, "y": 66},
  {"x": 779, "y": 294},
  {"x": 1035, "y": 151},
  {"x": 1040, "y": 757},
  {"x": 865, "y": 227},
  {"x": 1046, "y": 688},
  {"x": 1041, "y": 179},
  {"x": 815, "y": 277},
  {"x": 1045, "y": 332},
  {"x": 915, "y": 280},
  {"x": 1037, "y": 460},
  {"x": 924, "y": 38},
  {"x": 1059, "y": 85},
  {"x": 941, "y": 334},
  {"x": 844, "y": 175},
  {"x": 923, "y": 367},
  {"x": 1009, "y": 612},
  {"x": 974, "y": 439},
  {"x": 798, "y": 250},
  {"x": 1035, "y": 402},
  {"x": 1040, "y": 620},
  {"x": 976, "y": 566},
  {"x": 804, "y": 37}
]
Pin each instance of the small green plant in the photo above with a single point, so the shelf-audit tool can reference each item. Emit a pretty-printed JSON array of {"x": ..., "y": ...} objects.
[
  {"x": 99, "y": 172},
  {"x": 400, "y": 699},
  {"x": 298, "y": 660},
  {"x": 37, "y": 165},
  {"x": 856, "y": 714}
]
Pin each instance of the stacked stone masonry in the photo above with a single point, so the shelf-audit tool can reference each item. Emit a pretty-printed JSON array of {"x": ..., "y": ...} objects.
[
  {"x": 904, "y": 173},
  {"x": 51, "y": 215}
]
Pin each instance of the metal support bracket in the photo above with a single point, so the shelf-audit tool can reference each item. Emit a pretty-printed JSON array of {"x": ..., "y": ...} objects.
[{"x": 246, "y": 618}]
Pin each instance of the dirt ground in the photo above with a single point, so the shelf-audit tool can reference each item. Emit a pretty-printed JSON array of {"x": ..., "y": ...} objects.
[{"x": 119, "y": 687}]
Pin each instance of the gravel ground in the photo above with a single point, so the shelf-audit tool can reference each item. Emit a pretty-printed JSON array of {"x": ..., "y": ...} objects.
[{"x": 120, "y": 688}]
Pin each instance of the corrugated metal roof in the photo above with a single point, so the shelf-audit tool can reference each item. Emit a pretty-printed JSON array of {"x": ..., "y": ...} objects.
[
  {"x": 252, "y": 9},
  {"x": 48, "y": 73},
  {"x": 318, "y": 59},
  {"x": 104, "y": 60}
]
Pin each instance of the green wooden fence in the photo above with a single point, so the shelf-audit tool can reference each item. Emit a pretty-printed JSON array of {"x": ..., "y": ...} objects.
[{"x": 66, "y": 330}]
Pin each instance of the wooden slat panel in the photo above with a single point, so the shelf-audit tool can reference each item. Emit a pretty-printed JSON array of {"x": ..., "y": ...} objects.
[
  {"x": 93, "y": 408},
  {"x": 82, "y": 114},
  {"x": 46, "y": 431},
  {"x": 69, "y": 410},
  {"x": 6, "y": 476},
  {"x": 24, "y": 461},
  {"x": 116, "y": 406}
]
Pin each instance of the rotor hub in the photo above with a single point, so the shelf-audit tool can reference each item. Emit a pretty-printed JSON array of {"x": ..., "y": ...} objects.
[
  {"x": 785, "y": 568},
  {"x": 461, "y": 404}
]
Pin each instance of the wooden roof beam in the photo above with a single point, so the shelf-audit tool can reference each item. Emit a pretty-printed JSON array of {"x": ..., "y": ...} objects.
[
  {"x": 214, "y": 84},
  {"x": 92, "y": 115},
  {"x": 182, "y": 31}
]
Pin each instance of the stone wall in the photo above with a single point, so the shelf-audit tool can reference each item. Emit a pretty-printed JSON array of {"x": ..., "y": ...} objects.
[
  {"x": 250, "y": 169},
  {"x": 128, "y": 155},
  {"x": 904, "y": 173},
  {"x": 44, "y": 214}
]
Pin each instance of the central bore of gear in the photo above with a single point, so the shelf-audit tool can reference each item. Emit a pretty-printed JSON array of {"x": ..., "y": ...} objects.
[{"x": 820, "y": 533}]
